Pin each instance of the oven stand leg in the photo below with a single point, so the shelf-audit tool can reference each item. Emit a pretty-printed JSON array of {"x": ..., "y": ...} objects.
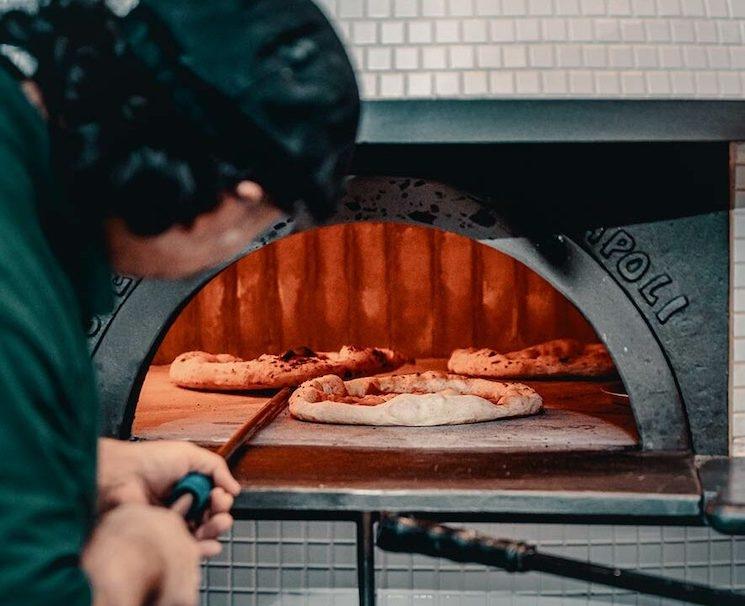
[{"x": 366, "y": 558}]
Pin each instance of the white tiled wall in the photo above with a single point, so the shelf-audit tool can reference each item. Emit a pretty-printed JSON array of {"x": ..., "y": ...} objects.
[
  {"x": 313, "y": 564},
  {"x": 737, "y": 303},
  {"x": 545, "y": 48}
]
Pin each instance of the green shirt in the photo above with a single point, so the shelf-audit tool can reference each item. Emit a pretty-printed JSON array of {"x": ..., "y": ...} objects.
[{"x": 48, "y": 406}]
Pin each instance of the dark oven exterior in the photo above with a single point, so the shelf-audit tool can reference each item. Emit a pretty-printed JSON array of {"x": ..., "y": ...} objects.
[{"x": 627, "y": 232}]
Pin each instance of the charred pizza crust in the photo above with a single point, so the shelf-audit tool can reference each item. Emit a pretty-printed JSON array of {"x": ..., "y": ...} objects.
[
  {"x": 223, "y": 372},
  {"x": 560, "y": 357},
  {"x": 421, "y": 399}
]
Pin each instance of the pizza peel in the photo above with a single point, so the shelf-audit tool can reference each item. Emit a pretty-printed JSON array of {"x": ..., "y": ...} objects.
[{"x": 191, "y": 494}]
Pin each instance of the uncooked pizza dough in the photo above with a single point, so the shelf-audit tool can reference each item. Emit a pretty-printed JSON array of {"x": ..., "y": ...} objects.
[
  {"x": 223, "y": 372},
  {"x": 560, "y": 357},
  {"x": 421, "y": 399}
]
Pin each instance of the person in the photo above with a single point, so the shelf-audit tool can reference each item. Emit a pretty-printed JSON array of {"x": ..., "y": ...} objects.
[{"x": 157, "y": 138}]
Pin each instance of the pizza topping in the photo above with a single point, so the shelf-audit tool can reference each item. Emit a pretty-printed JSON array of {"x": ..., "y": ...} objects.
[
  {"x": 298, "y": 352},
  {"x": 379, "y": 355}
]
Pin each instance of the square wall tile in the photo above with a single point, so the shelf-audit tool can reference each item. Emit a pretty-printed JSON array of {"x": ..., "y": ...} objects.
[
  {"x": 501, "y": 83},
  {"x": 378, "y": 8},
  {"x": 404, "y": 8},
  {"x": 434, "y": 8},
  {"x": 447, "y": 84},
  {"x": 434, "y": 57},
  {"x": 419, "y": 32},
  {"x": 419, "y": 84},
  {"x": 392, "y": 32},
  {"x": 475, "y": 83},
  {"x": 489, "y": 56}
]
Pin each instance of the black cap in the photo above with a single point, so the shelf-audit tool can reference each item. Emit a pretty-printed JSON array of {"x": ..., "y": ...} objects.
[{"x": 267, "y": 80}]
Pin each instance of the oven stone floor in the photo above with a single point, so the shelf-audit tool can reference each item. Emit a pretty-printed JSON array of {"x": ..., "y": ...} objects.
[{"x": 578, "y": 416}]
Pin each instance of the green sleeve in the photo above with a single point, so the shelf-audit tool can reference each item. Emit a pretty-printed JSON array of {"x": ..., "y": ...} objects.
[
  {"x": 42, "y": 509},
  {"x": 48, "y": 405}
]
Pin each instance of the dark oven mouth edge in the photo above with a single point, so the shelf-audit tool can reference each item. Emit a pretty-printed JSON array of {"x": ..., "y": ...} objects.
[{"x": 129, "y": 338}]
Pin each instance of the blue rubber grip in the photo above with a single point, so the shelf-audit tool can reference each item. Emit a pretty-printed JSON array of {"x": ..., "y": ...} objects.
[{"x": 199, "y": 487}]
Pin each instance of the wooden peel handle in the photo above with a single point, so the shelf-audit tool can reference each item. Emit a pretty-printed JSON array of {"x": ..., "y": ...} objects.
[
  {"x": 267, "y": 413},
  {"x": 191, "y": 494}
]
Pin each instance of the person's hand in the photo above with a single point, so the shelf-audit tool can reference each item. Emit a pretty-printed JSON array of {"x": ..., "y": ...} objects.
[
  {"x": 140, "y": 554},
  {"x": 146, "y": 472}
]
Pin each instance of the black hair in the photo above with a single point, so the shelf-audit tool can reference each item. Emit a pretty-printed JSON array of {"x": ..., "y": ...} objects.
[{"x": 122, "y": 144}]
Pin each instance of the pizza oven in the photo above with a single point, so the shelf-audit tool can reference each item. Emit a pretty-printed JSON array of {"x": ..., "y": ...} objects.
[{"x": 447, "y": 242}]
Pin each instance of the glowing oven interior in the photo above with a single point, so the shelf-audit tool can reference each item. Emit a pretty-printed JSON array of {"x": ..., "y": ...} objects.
[{"x": 419, "y": 290}]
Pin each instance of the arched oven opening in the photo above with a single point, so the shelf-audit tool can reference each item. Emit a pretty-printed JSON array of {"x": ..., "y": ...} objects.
[
  {"x": 417, "y": 290},
  {"x": 427, "y": 268},
  {"x": 472, "y": 273}
]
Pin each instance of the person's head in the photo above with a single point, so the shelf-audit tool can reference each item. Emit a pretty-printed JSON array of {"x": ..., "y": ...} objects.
[{"x": 186, "y": 127}]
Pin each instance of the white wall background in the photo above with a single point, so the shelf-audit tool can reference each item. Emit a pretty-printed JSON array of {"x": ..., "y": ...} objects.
[{"x": 545, "y": 48}]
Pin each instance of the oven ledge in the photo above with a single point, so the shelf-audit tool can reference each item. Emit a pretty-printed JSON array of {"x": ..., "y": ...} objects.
[{"x": 630, "y": 486}]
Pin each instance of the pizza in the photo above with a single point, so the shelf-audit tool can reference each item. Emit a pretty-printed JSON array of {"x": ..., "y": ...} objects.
[
  {"x": 560, "y": 357},
  {"x": 223, "y": 372},
  {"x": 421, "y": 399}
]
